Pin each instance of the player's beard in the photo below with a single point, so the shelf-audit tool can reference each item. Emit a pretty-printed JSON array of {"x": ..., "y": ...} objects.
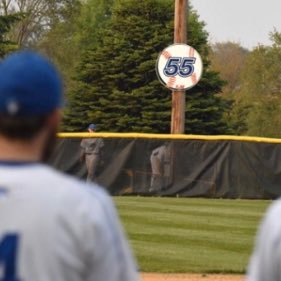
[{"x": 49, "y": 146}]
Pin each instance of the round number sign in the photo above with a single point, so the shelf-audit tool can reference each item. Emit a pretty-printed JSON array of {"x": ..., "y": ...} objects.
[{"x": 179, "y": 67}]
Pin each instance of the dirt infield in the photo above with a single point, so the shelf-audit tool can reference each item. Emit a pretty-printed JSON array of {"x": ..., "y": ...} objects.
[{"x": 190, "y": 277}]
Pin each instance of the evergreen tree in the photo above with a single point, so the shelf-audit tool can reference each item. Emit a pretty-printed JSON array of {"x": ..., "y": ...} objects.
[{"x": 117, "y": 87}]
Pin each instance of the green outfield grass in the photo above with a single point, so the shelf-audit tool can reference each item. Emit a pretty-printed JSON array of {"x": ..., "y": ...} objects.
[{"x": 191, "y": 235}]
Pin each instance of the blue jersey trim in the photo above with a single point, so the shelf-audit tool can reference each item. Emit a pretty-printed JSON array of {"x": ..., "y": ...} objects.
[
  {"x": 17, "y": 163},
  {"x": 3, "y": 191}
]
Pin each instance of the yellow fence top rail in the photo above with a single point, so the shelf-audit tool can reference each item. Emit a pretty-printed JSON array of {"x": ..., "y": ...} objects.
[{"x": 169, "y": 136}]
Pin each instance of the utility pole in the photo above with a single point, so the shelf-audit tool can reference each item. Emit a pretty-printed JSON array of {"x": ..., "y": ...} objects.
[{"x": 178, "y": 97}]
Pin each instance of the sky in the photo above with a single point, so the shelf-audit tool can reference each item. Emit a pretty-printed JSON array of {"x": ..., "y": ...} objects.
[{"x": 247, "y": 22}]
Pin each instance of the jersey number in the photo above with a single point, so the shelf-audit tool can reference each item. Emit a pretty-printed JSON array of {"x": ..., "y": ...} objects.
[
  {"x": 8, "y": 257},
  {"x": 183, "y": 67}
]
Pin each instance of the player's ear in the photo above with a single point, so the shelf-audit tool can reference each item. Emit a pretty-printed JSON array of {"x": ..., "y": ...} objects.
[{"x": 54, "y": 119}]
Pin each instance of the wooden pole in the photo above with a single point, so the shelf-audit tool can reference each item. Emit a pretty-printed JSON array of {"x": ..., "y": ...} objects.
[{"x": 178, "y": 97}]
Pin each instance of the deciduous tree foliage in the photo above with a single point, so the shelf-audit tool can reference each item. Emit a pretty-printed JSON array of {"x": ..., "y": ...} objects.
[
  {"x": 116, "y": 83},
  {"x": 261, "y": 89},
  {"x": 94, "y": 14},
  {"x": 75, "y": 32},
  {"x": 60, "y": 42},
  {"x": 228, "y": 58},
  {"x": 6, "y": 22},
  {"x": 39, "y": 17}
]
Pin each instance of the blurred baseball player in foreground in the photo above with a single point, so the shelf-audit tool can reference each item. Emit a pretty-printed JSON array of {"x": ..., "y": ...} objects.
[
  {"x": 52, "y": 227},
  {"x": 265, "y": 263}
]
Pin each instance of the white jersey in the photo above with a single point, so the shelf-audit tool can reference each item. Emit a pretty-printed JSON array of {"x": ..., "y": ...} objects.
[
  {"x": 56, "y": 228},
  {"x": 265, "y": 263}
]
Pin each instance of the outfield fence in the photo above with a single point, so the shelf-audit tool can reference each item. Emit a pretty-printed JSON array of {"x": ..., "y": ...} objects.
[{"x": 178, "y": 165}]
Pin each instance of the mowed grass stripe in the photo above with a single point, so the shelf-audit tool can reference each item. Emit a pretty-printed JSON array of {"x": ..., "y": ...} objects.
[{"x": 191, "y": 235}]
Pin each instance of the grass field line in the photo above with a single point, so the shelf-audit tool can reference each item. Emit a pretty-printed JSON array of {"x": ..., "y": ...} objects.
[{"x": 189, "y": 234}]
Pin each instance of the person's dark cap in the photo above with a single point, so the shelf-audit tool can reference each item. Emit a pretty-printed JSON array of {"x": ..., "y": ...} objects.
[
  {"x": 29, "y": 85},
  {"x": 92, "y": 127}
]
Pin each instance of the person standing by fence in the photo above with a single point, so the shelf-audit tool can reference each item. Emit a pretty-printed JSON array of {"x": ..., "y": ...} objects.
[
  {"x": 91, "y": 149},
  {"x": 160, "y": 160}
]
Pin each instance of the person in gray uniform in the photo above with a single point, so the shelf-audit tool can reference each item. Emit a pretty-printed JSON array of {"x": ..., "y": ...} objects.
[
  {"x": 160, "y": 160},
  {"x": 91, "y": 153}
]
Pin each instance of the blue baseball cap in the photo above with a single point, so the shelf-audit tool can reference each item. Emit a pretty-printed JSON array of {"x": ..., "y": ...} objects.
[
  {"x": 92, "y": 127},
  {"x": 29, "y": 85}
]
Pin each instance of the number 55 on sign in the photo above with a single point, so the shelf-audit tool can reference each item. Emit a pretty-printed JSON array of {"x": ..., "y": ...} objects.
[{"x": 179, "y": 67}]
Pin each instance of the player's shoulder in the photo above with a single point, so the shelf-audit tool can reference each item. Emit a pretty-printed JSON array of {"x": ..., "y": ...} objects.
[
  {"x": 275, "y": 208},
  {"x": 272, "y": 216},
  {"x": 78, "y": 207}
]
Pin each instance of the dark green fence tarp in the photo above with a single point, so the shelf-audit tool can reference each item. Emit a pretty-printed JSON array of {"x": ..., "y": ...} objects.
[{"x": 188, "y": 168}]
